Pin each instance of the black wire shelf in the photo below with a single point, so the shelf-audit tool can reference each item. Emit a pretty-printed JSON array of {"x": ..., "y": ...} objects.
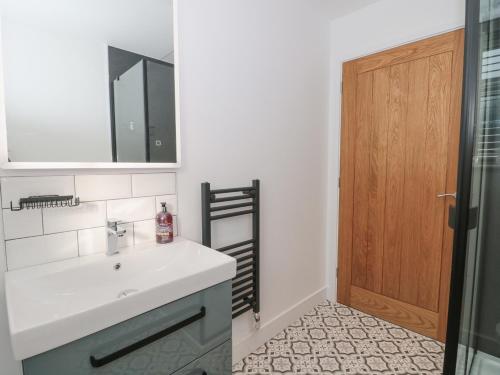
[{"x": 45, "y": 201}]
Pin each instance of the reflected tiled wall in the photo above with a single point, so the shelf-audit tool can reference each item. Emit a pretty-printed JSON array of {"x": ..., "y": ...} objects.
[{"x": 39, "y": 236}]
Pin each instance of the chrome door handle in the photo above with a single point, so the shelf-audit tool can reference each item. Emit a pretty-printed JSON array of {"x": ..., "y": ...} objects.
[{"x": 443, "y": 195}]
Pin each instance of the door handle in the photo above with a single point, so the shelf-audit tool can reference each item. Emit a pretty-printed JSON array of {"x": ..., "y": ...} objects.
[{"x": 443, "y": 195}]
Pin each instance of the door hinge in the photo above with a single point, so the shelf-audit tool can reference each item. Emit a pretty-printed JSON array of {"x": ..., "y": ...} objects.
[
  {"x": 337, "y": 272},
  {"x": 339, "y": 182},
  {"x": 341, "y": 87}
]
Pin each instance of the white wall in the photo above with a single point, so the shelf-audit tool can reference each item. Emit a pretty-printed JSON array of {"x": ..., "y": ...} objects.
[
  {"x": 254, "y": 94},
  {"x": 56, "y": 90},
  {"x": 382, "y": 25}
]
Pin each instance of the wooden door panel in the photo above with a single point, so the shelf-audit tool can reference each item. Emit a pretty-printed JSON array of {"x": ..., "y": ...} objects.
[
  {"x": 435, "y": 166},
  {"x": 377, "y": 180},
  {"x": 428, "y": 47},
  {"x": 361, "y": 167},
  {"x": 409, "y": 316},
  {"x": 414, "y": 178},
  {"x": 451, "y": 181},
  {"x": 399, "y": 140},
  {"x": 394, "y": 199},
  {"x": 347, "y": 191}
]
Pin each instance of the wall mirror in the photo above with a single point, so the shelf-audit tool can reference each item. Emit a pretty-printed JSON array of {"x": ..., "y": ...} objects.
[{"x": 89, "y": 83}]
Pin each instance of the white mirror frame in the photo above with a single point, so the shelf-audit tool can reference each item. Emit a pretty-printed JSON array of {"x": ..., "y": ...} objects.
[{"x": 6, "y": 165}]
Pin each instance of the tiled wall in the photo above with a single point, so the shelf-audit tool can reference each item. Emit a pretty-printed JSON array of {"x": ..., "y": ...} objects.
[{"x": 36, "y": 236}]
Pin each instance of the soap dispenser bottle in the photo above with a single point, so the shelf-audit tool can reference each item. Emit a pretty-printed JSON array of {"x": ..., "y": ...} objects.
[{"x": 164, "y": 225}]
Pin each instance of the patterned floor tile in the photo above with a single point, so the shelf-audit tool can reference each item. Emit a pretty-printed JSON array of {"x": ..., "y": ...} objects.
[{"x": 334, "y": 339}]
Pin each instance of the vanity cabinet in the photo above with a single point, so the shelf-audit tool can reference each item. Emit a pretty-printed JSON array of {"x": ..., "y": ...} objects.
[
  {"x": 217, "y": 361},
  {"x": 190, "y": 336}
]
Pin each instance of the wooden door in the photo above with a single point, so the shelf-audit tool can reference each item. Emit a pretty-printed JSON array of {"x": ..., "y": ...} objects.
[{"x": 399, "y": 150}]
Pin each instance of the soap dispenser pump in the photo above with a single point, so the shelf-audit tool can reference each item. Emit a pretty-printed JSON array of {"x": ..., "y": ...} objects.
[{"x": 164, "y": 225}]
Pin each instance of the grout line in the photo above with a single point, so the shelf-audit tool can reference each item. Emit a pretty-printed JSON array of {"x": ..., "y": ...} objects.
[
  {"x": 126, "y": 198},
  {"x": 115, "y": 199},
  {"x": 41, "y": 218},
  {"x": 78, "y": 243},
  {"x": 42, "y": 235},
  {"x": 133, "y": 233},
  {"x": 75, "y": 230},
  {"x": 106, "y": 208}
]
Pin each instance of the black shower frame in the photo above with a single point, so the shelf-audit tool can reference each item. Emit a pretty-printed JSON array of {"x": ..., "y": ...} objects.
[
  {"x": 144, "y": 60},
  {"x": 466, "y": 148}
]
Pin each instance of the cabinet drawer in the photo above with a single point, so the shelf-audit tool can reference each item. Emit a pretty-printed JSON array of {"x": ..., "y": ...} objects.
[
  {"x": 162, "y": 340},
  {"x": 216, "y": 362}
]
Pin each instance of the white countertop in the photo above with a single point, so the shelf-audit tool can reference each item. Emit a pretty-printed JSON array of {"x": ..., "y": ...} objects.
[{"x": 53, "y": 304}]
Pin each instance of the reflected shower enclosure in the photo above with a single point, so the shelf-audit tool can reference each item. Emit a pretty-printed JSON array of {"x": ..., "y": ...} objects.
[{"x": 142, "y": 99}]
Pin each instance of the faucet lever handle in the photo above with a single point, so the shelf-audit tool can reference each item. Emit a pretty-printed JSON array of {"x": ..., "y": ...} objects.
[
  {"x": 113, "y": 226},
  {"x": 114, "y": 222}
]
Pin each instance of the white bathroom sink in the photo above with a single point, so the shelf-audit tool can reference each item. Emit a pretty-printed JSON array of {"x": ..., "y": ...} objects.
[{"x": 54, "y": 304}]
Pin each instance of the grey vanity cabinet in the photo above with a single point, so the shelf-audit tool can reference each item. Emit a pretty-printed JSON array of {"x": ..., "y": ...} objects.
[
  {"x": 216, "y": 362},
  {"x": 192, "y": 331}
]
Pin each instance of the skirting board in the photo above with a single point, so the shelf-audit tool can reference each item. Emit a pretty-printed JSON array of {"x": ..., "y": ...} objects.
[{"x": 273, "y": 326}]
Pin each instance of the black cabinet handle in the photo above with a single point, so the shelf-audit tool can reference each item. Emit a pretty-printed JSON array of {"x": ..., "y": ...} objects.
[{"x": 99, "y": 362}]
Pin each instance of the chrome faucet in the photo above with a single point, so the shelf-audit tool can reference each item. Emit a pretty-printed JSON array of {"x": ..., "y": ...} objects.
[{"x": 113, "y": 233}]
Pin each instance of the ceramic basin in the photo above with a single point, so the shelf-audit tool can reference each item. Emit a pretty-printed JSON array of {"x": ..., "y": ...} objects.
[{"x": 56, "y": 303}]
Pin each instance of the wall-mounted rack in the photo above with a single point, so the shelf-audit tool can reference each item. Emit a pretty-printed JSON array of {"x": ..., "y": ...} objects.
[
  {"x": 243, "y": 201},
  {"x": 46, "y": 201}
]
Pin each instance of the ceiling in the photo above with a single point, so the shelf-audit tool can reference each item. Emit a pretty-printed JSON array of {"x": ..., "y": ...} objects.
[{"x": 141, "y": 26}]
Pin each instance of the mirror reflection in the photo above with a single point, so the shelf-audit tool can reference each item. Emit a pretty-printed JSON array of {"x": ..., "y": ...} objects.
[{"x": 89, "y": 80}]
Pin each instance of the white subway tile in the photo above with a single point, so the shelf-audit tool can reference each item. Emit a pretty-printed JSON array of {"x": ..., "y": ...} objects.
[
  {"x": 103, "y": 187},
  {"x": 171, "y": 203},
  {"x": 14, "y": 188},
  {"x": 133, "y": 209},
  {"x": 31, "y": 251},
  {"x": 94, "y": 240},
  {"x": 25, "y": 223},
  {"x": 144, "y": 231},
  {"x": 153, "y": 184},
  {"x": 86, "y": 215}
]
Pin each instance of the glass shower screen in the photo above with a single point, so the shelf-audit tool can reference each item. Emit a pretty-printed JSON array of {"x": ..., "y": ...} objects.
[{"x": 479, "y": 340}]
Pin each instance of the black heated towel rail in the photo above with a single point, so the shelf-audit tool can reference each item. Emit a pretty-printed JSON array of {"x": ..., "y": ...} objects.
[{"x": 223, "y": 204}]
